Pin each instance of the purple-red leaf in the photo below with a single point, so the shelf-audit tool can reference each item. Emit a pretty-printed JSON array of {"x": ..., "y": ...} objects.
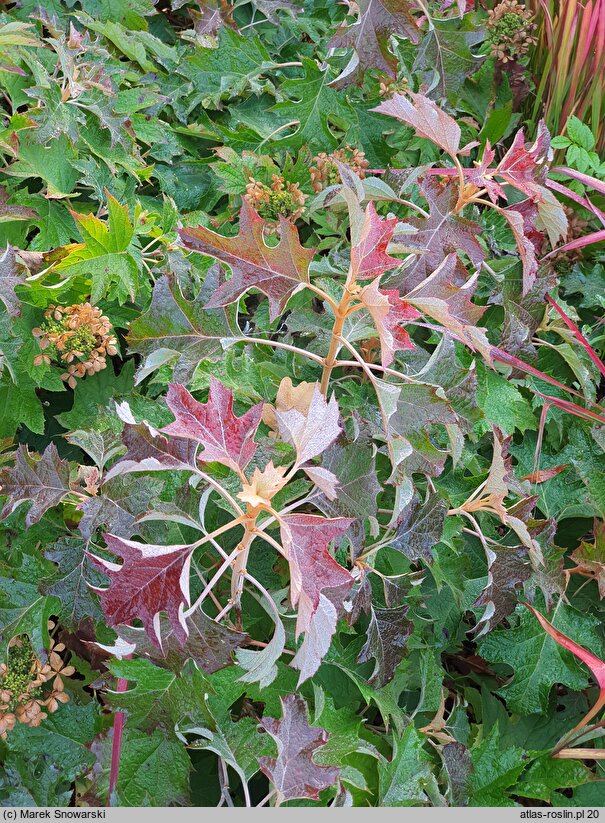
[
  {"x": 426, "y": 118},
  {"x": 313, "y": 570},
  {"x": 152, "y": 579},
  {"x": 277, "y": 271},
  {"x": 446, "y": 297},
  {"x": 526, "y": 169},
  {"x": 293, "y": 772},
  {"x": 148, "y": 450},
  {"x": 443, "y": 232},
  {"x": 521, "y": 226},
  {"x": 370, "y": 239},
  {"x": 226, "y": 438},
  {"x": 43, "y": 480},
  {"x": 390, "y": 313}
]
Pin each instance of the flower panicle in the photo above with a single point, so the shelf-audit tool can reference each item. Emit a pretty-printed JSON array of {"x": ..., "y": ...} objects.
[
  {"x": 510, "y": 31},
  {"x": 30, "y": 690},
  {"x": 79, "y": 337},
  {"x": 325, "y": 171}
]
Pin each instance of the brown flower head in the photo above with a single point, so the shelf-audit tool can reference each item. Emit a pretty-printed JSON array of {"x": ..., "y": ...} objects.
[
  {"x": 79, "y": 337},
  {"x": 325, "y": 171},
  {"x": 510, "y": 31},
  {"x": 280, "y": 198},
  {"x": 27, "y": 685}
]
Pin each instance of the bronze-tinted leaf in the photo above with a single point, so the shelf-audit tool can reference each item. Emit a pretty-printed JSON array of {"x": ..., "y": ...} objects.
[
  {"x": 443, "y": 232},
  {"x": 208, "y": 643},
  {"x": 43, "y": 480},
  {"x": 426, "y": 118},
  {"x": 293, "y": 773},
  {"x": 388, "y": 635},
  {"x": 420, "y": 527},
  {"x": 369, "y": 36},
  {"x": 277, "y": 271},
  {"x": 179, "y": 331},
  {"x": 508, "y": 569}
]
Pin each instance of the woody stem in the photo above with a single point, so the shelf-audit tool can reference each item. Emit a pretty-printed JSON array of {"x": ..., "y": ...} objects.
[{"x": 335, "y": 343}]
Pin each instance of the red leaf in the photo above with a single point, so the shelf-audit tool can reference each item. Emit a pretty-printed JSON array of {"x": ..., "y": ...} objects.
[
  {"x": 426, "y": 118},
  {"x": 152, "y": 579},
  {"x": 446, "y": 297},
  {"x": 43, "y": 480},
  {"x": 389, "y": 313},
  {"x": 482, "y": 176},
  {"x": 226, "y": 438},
  {"x": 277, "y": 271},
  {"x": 369, "y": 256},
  {"x": 313, "y": 570},
  {"x": 443, "y": 232},
  {"x": 526, "y": 169},
  {"x": 293, "y": 772}
]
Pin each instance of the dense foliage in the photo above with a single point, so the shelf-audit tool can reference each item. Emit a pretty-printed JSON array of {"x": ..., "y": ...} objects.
[{"x": 302, "y": 441}]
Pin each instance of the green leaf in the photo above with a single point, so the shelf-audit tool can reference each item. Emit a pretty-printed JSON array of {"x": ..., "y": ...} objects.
[
  {"x": 71, "y": 585},
  {"x": 236, "y": 66},
  {"x": 315, "y": 106},
  {"x": 537, "y": 661},
  {"x": 159, "y": 696},
  {"x": 495, "y": 769},
  {"x": 62, "y": 740},
  {"x": 580, "y": 133},
  {"x": 106, "y": 256},
  {"x": 447, "y": 55},
  {"x": 547, "y": 775},
  {"x": 154, "y": 771},
  {"x": 52, "y": 163},
  {"x": 23, "y": 610},
  {"x": 502, "y": 403},
  {"x": 404, "y": 779},
  {"x": 96, "y": 391}
]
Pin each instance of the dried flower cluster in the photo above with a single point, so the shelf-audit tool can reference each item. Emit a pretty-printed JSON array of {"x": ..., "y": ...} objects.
[
  {"x": 510, "y": 30},
  {"x": 325, "y": 171},
  {"x": 388, "y": 86},
  {"x": 79, "y": 336},
  {"x": 24, "y": 681},
  {"x": 280, "y": 198}
]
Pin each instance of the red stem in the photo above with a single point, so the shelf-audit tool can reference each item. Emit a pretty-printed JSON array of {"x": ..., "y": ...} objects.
[
  {"x": 116, "y": 745},
  {"x": 578, "y": 335}
]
